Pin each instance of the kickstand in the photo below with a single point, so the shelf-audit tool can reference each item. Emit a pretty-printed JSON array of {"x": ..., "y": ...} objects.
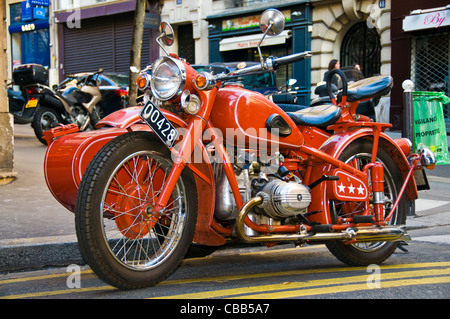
[{"x": 401, "y": 245}]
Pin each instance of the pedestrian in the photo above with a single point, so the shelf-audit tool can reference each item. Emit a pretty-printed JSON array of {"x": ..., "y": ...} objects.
[
  {"x": 356, "y": 72},
  {"x": 333, "y": 65}
]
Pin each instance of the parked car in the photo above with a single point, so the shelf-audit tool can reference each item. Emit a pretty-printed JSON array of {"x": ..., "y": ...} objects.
[{"x": 264, "y": 83}]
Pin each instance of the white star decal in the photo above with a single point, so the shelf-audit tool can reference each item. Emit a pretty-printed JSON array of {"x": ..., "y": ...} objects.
[
  {"x": 351, "y": 189},
  {"x": 360, "y": 190},
  {"x": 341, "y": 188}
]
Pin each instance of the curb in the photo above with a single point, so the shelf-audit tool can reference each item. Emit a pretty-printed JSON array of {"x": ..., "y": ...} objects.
[{"x": 35, "y": 253}]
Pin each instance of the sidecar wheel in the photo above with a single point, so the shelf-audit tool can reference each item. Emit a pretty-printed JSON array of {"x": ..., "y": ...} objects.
[
  {"x": 358, "y": 154},
  {"x": 117, "y": 235}
]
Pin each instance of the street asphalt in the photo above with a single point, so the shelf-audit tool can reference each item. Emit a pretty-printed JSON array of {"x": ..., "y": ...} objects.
[{"x": 36, "y": 231}]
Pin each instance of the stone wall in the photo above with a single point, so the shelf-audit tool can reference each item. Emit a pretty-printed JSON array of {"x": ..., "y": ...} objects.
[{"x": 6, "y": 120}]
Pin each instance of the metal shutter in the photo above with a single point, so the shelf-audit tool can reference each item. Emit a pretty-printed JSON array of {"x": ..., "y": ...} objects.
[
  {"x": 90, "y": 47},
  {"x": 102, "y": 42}
]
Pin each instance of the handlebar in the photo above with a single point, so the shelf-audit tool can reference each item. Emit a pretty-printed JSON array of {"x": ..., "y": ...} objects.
[
  {"x": 272, "y": 63},
  {"x": 296, "y": 57}
]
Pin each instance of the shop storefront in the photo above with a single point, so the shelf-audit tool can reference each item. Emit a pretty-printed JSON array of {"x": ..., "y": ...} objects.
[
  {"x": 421, "y": 50},
  {"x": 100, "y": 37},
  {"x": 29, "y": 32},
  {"x": 234, "y": 36}
]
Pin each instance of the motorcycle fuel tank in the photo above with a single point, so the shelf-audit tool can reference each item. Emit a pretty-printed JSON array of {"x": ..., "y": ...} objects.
[{"x": 248, "y": 119}]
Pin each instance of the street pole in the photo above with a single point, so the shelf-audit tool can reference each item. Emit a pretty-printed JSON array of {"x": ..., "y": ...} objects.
[{"x": 407, "y": 129}]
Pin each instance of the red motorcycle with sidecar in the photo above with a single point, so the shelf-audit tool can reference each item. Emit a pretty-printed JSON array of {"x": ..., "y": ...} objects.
[{"x": 206, "y": 160}]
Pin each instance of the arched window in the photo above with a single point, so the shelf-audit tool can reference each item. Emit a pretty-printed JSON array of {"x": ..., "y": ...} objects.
[{"x": 362, "y": 45}]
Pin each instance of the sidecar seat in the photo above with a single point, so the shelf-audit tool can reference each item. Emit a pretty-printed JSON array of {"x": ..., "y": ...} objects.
[
  {"x": 321, "y": 115},
  {"x": 369, "y": 88}
]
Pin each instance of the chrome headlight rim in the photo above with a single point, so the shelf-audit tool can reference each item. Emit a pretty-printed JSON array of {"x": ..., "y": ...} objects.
[{"x": 180, "y": 78}]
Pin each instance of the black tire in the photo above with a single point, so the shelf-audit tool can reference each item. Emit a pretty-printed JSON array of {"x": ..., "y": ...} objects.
[
  {"x": 44, "y": 119},
  {"x": 118, "y": 241},
  {"x": 371, "y": 253}
]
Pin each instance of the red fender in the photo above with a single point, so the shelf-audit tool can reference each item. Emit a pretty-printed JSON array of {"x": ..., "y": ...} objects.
[
  {"x": 68, "y": 156},
  {"x": 124, "y": 118},
  {"x": 335, "y": 145}
]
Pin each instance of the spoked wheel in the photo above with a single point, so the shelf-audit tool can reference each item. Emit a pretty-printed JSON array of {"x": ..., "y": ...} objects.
[
  {"x": 124, "y": 244},
  {"x": 358, "y": 155}
]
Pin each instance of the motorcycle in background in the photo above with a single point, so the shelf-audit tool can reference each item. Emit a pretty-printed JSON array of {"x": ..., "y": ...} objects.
[
  {"x": 72, "y": 101},
  {"x": 204, "y": 161},
  {"x": 22, "y": 112}
]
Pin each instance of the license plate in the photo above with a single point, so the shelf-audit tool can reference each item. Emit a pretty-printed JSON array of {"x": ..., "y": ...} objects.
[
  {"x": 31, "y": 103},
  {"x": 159, "y": 124}
]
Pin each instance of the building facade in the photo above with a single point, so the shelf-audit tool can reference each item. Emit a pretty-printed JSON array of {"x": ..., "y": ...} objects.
[
  {"x": 352, "y": 31},
  {"x": 75, "y": 36},
  {"x": 234, "y": 34},
  {"x": 421, "y": 50},
  {"x": 28, "y": 32},
  {"x": 97, "y": 34}
]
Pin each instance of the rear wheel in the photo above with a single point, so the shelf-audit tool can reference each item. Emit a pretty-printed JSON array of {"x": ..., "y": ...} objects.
[
  {"x": 358, "y": 154},
  {"x": 119, "y": 238},
  {"x": 44, "y": 119}
]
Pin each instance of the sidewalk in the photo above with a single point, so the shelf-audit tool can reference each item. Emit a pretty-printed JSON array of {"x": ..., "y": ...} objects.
[{"x": 36, "y": 231}]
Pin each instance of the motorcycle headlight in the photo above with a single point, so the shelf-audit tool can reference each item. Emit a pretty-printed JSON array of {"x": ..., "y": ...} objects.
[{"x": 168, "y": 78}]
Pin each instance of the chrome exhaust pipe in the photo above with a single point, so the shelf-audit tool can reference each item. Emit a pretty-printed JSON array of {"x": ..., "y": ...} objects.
[{"x": 357, "y": 234}]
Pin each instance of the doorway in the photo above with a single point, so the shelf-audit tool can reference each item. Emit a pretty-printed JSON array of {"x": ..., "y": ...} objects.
[{"x": 361, "y": 45}]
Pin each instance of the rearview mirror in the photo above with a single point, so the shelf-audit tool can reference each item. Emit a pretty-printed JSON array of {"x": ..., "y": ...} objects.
[
  {"x": 167, "y": 35},
  {"x": 271, "y": 22}
]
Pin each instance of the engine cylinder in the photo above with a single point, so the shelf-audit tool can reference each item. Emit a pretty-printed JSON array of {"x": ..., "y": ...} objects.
[{"x": 284, "y": 199}]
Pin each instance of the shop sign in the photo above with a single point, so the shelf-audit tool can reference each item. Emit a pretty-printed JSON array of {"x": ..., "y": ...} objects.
[
  {"x": 40, "y": 2},
  {"x": 429, "y": 20},
  {"x": 151, "y": 21},
  {"x": 39, "y": 13},
  {"x": 27, "y": 11},
  {"x": 251, "y": 41},
  {"x": 31, "y": 12},
  {"x": 248, "y": 22},
  {"x": 28, "y": 27}
]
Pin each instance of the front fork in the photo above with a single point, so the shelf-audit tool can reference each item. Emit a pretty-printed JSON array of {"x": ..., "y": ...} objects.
[{"x": 183, "y": 150}]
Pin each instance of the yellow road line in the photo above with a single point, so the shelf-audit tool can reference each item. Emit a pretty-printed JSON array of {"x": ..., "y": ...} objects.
[
  {"x": 264, "y": 290},
  {"x": 300, "y": 272},
  {"x": 349, "y": 288},
  {"x": 42, "y": 277},
  {"x": 218, "y": 278},
  {"x": 57, "y": 292},
  {"x": 243, "y": 276}
]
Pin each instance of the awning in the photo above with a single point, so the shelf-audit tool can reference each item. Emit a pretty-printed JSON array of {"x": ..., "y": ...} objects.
[
  {"x": 251, "y": 41},
  {"x": 427, "y": 19}
]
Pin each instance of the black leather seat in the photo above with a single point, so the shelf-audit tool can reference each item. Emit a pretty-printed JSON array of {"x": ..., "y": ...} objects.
[
  {"x": 369, "y": 88},
  {"x": 321, "y": 115}
]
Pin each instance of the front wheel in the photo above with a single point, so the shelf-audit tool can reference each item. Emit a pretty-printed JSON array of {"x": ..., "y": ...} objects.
[
  {"x": 359, "y": 154},
  {"x": 119, "y": 240}
]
